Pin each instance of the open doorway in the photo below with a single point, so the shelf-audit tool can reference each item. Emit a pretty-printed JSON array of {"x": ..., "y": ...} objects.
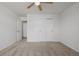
[{"x": 24, "y": 30}]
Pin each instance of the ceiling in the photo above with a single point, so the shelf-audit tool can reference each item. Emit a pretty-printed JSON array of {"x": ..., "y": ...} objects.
[{"x": 20, "y": 7}]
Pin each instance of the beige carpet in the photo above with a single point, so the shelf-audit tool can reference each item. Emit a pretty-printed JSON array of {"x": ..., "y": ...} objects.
[{"x": 23, "y": 48}]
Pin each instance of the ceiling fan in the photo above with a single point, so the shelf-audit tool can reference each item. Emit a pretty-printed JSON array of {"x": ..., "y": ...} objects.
[{"x": 38, "y": 4}]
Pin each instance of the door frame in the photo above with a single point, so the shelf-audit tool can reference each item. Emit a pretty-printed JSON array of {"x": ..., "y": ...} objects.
[{"x": 23, "y": 29}]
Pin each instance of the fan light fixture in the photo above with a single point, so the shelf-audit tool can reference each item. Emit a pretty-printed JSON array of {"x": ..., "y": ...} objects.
[{"x": 37, "y": 3}]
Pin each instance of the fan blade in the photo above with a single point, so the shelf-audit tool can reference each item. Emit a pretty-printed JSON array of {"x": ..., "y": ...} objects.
[
  {"x": 30, "y": 5},
  {"x": 40, "y": 8}
]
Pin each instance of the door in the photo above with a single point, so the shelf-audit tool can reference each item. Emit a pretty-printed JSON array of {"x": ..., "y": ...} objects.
[{"x": 24, "y": 29}]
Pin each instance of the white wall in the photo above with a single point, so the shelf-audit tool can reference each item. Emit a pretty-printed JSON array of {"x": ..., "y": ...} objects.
[
  {"x": 41, "y": 27},
  {"x": 7, "y": 27},
  {"x": 70, "y": 27}
]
